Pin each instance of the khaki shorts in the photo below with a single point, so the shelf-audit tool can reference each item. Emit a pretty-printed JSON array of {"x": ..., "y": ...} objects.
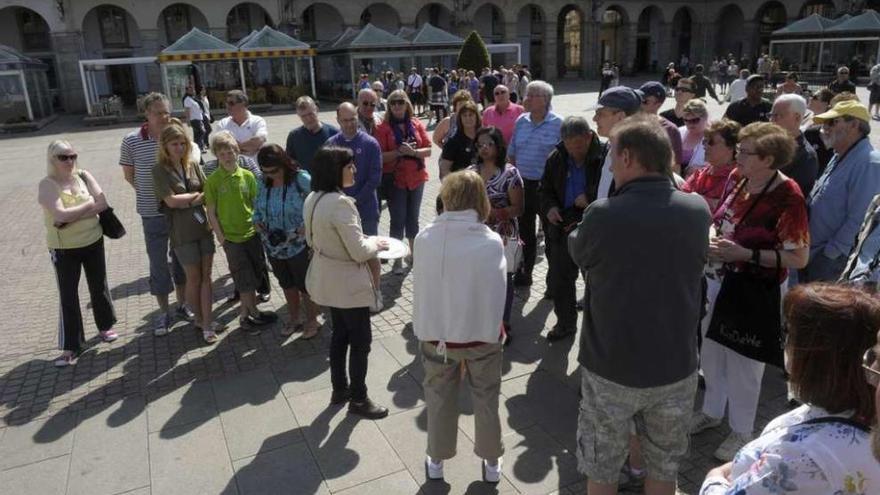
[
  {"x": 608, "y": 410},
  {"x": 191, "y": 253},
  {"x": 246, "y": 263}
]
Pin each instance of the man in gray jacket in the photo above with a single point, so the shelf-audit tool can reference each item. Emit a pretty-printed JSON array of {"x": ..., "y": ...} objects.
[{"x": 644, "y": 249}]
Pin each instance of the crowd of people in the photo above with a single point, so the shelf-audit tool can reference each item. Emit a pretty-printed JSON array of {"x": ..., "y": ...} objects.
[{"x": 709, "y": 249}]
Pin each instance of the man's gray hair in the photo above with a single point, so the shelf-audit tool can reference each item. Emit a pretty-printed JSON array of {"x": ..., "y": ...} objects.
[
  {"x": 574, "y": 126},
  {"x": 153, "y": 98},
  {"x": 367, "y": 91},
  {"x": 796, "y": 103},
  {"x": 864, "y": 127},
  {"x": 238, "y": 96},
  {"x": 306, "y": 102},
  {"x": 541, "y": 86}
]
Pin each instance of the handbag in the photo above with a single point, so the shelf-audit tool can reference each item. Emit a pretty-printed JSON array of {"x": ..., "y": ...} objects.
[
  {"x": 747, "y": 317},
  {"x": 110, "y": 223},
  {"x": 513, "y": 252}
]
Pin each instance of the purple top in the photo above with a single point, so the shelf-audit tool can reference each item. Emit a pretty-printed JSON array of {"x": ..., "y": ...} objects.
[{"x": 368, "y": 160}]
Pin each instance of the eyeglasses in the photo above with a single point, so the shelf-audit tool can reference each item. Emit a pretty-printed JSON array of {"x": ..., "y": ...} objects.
[
  {"x": 368, "y": 104},
  {"x": 740, "y": 151},
  {"x": 395, "y": 103},
  {"x": 692, "y": 121},
  {"x": 829, "y": 122},
  {"x": 869, "y": 359},
  {"x": 67, "y": 158}
]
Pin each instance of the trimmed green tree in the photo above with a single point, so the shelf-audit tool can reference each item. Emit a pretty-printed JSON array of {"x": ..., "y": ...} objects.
[{"x": 474, "y": 55}]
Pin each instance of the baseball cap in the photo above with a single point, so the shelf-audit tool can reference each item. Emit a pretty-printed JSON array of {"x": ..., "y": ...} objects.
[
  {"x": 652, "y": 88},
  {"x": 621, "y": 98},
  {"x": 844, "y": 109}
]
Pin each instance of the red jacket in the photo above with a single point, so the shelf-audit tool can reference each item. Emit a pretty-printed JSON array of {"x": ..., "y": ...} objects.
[{"x": 409, "y": 172}]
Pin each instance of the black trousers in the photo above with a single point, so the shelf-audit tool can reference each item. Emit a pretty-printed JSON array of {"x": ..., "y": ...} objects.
[
  {"x": 527, "y": 224},
  {"x": 200, "y": 133},
  {"x": 352, "y": 334},
  {"x": 563, "y": 274},
  {"x": 69, "y": 264}
]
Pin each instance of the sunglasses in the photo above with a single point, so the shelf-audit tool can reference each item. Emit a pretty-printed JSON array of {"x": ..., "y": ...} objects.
[
  {"x": 368, "y": 104},
  {"x": 395, "y": 103},
  {"x": 740, "y": 151},
  {"x": 67, "y": 158},
  {"x": 692, "y": 121},
  {"x": 829, "y": 122},
  {"x": 684, "y": 90}
]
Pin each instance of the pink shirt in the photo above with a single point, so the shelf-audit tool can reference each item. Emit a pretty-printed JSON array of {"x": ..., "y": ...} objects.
[{"x": 504, "y": 121}]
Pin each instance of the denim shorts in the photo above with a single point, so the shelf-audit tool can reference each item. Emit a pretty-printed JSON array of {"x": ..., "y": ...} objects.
[{"x": 608, "y": 411}]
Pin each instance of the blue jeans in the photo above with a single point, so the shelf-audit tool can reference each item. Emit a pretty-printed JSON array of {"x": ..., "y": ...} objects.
[
  {"x": 161, "y": 275},
  {"x": 405, "y": 205}
]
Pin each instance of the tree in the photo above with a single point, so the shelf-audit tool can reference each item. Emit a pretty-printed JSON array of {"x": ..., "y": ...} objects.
[{"x": 474, "y": 55}]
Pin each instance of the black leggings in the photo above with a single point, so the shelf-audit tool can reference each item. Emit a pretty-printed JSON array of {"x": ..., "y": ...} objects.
[
  {"x": 69, "y": 264},
  {"x": 351, "y": 329}
]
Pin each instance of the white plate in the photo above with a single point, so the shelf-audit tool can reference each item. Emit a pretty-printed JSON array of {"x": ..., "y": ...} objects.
[{"x": 396, "y": 248}]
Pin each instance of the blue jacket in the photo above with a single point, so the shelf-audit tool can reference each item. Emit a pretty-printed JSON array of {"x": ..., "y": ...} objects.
[
  {"x": 368, "y": 160},
  {"x": 840, "y": 198}
]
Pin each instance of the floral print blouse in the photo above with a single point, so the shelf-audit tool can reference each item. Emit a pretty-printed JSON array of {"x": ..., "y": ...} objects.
[{"x": 829, "y": 458}]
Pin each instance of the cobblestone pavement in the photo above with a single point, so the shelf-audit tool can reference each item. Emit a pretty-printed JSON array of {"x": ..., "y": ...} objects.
[{"x": 248, "y": 415}]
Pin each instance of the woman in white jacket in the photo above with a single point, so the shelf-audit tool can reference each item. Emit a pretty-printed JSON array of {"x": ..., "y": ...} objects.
[
  {"x": 693, "y": 154},
  {"x": 459, "y": 287}
]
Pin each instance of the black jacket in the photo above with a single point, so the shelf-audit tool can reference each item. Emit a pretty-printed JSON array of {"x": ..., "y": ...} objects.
[{"x": 555, "y": 173}]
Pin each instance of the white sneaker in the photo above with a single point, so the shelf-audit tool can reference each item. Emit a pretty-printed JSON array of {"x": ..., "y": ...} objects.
[
  {"x": 162, "y": 325},
  {"x": 492, "y": 474},
  {"x": 435, "y": 471},
  {"x": 731, "y": 445},
  {"x": 702, "y": 422}
]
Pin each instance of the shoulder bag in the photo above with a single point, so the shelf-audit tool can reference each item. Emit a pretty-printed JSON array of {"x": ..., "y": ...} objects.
[
  {"x": 110, "y": 223},
  {"x": 747, "y": 317}
]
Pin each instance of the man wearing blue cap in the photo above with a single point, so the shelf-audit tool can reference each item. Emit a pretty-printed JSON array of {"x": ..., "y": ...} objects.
[
  {"x": 614, "y": 105},
  {"x": 653, "y": 95}
]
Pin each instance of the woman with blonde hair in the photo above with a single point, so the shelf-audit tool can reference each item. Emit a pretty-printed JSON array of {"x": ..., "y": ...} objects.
[
  {"x": 405, "y": 146},
  {"x": 695, "y": 118},
  {"x": 71, "y": 199},
  {"x": 179, "y": 182},
  {"x": 447, "y": 127},
  {"x": 461, "y": 265}
]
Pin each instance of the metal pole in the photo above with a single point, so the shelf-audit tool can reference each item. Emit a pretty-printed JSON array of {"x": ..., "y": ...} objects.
[
  {"x": 27, "y": 99},
  {"x": 241, "y": 74},
  {"x": 312, "y": 70},
  {"x": 82, "y": 75}
]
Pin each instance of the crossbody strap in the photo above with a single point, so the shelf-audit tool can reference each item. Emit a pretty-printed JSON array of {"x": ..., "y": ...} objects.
[{"x": 312, "y": 223}]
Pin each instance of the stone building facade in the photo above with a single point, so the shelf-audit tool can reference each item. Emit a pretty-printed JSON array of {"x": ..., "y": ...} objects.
[{"x": 559, "y": 38}]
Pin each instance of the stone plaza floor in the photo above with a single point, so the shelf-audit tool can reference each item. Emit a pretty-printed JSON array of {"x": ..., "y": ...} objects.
[{"x": 250, "y": 414}]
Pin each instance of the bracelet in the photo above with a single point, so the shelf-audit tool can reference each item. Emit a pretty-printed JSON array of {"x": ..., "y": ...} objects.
[{"x": 756, "y": 256}]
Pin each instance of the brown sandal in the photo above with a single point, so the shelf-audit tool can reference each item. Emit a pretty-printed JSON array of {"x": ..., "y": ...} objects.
[
  {"x": 290, "y": 329},
  {"x": 310, "y": 330}
]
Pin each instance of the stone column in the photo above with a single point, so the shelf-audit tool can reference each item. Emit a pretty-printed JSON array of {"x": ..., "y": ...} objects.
[
  {"x": 750, "y": 42},
  {"x": 67, "y": 55},
  {"x": 150, "y": 46},
  {"x": 627, "y": 48},
  {"x": 549, "y": 48},
  {"x": 591, "y": 49}
]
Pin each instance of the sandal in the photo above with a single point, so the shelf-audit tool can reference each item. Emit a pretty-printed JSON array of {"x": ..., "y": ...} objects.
[
  {"x": 66, "y": 359},
  {"x": 291, "y": 328},
  {"x": 210, "y": 337},
  {"x": 310, "y": 331}
]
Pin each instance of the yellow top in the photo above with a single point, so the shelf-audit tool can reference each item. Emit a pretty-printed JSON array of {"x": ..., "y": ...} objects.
[{"x": 81, "y": 233}]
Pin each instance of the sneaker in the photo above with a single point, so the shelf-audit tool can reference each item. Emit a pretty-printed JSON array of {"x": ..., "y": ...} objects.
[
  {"x": 434, "y": 471},
  {"x": 368, "y": 409},
  {"x": 397, "y": 268},
  {"x": 731, "y": 445},
  {"x": 109, "y": 335},
  {"x": 183, "y": 312},
  {"x": 492, "y": 474},
  {"x": 630, "y": 481},
  {"x": 66, "y": 359},
  {"x": 162, "y": 325},
  {"x": 263, "y": 298},
  {"x": 209, "y": 337},
  {"x": 702, "y": 422},
  {"x": 266, "y": 317},
  {"x": 250, "y": 325}
]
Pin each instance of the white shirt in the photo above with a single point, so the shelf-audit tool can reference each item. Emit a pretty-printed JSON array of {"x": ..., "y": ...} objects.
[
  {"x": 414, "y": 81},
  {"x": 791, "y": 457},
  {"x": 459, "y": 280},
  {"x": 195, "y": 111},
  {"x": 737, "y": 90},
  {"x": 253, "y": 126},
  {"x": 698, "y": 156},
  {"x": 607, "y": 177}
]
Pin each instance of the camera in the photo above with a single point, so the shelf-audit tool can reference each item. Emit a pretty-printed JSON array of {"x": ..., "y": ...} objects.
[{"x": 276, "y": 237}]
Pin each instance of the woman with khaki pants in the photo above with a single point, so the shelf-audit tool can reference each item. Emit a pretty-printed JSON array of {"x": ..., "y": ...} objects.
[{"x": 459, "y": 287}]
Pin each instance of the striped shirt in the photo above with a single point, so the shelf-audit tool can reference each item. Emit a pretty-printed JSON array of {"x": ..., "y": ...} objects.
[
  {"x": 531, "y": 144},
  {"x": 140, "y": 151}
]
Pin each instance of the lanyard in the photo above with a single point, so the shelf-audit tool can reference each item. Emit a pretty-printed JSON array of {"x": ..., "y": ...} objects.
[
  {"x": 730, "y": 199},
  {"x": 283, "y": 202}
]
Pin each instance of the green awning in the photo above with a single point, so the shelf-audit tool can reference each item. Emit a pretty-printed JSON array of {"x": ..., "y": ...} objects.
[
  {"x": 268, "y": 38},
  {"x": 866, "y": 22}
]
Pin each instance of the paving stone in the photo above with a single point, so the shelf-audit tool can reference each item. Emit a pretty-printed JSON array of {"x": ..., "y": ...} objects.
[
  {"x": 48, "y": 477},
  {"x": 254, "y": 413},
  {"x": 278, "y": 471},
  {"x": 193, "y": 403},
  {"x": 101, "y": 463},
  {"x": 189, "y": 460},
  {"x": 462, "y": 473},
  {"x": 400, "y": 483},
  {"x": 349, "y": 450},
  {"x": 37, "y": 441},
  {"x": 538, "y": 463}
]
